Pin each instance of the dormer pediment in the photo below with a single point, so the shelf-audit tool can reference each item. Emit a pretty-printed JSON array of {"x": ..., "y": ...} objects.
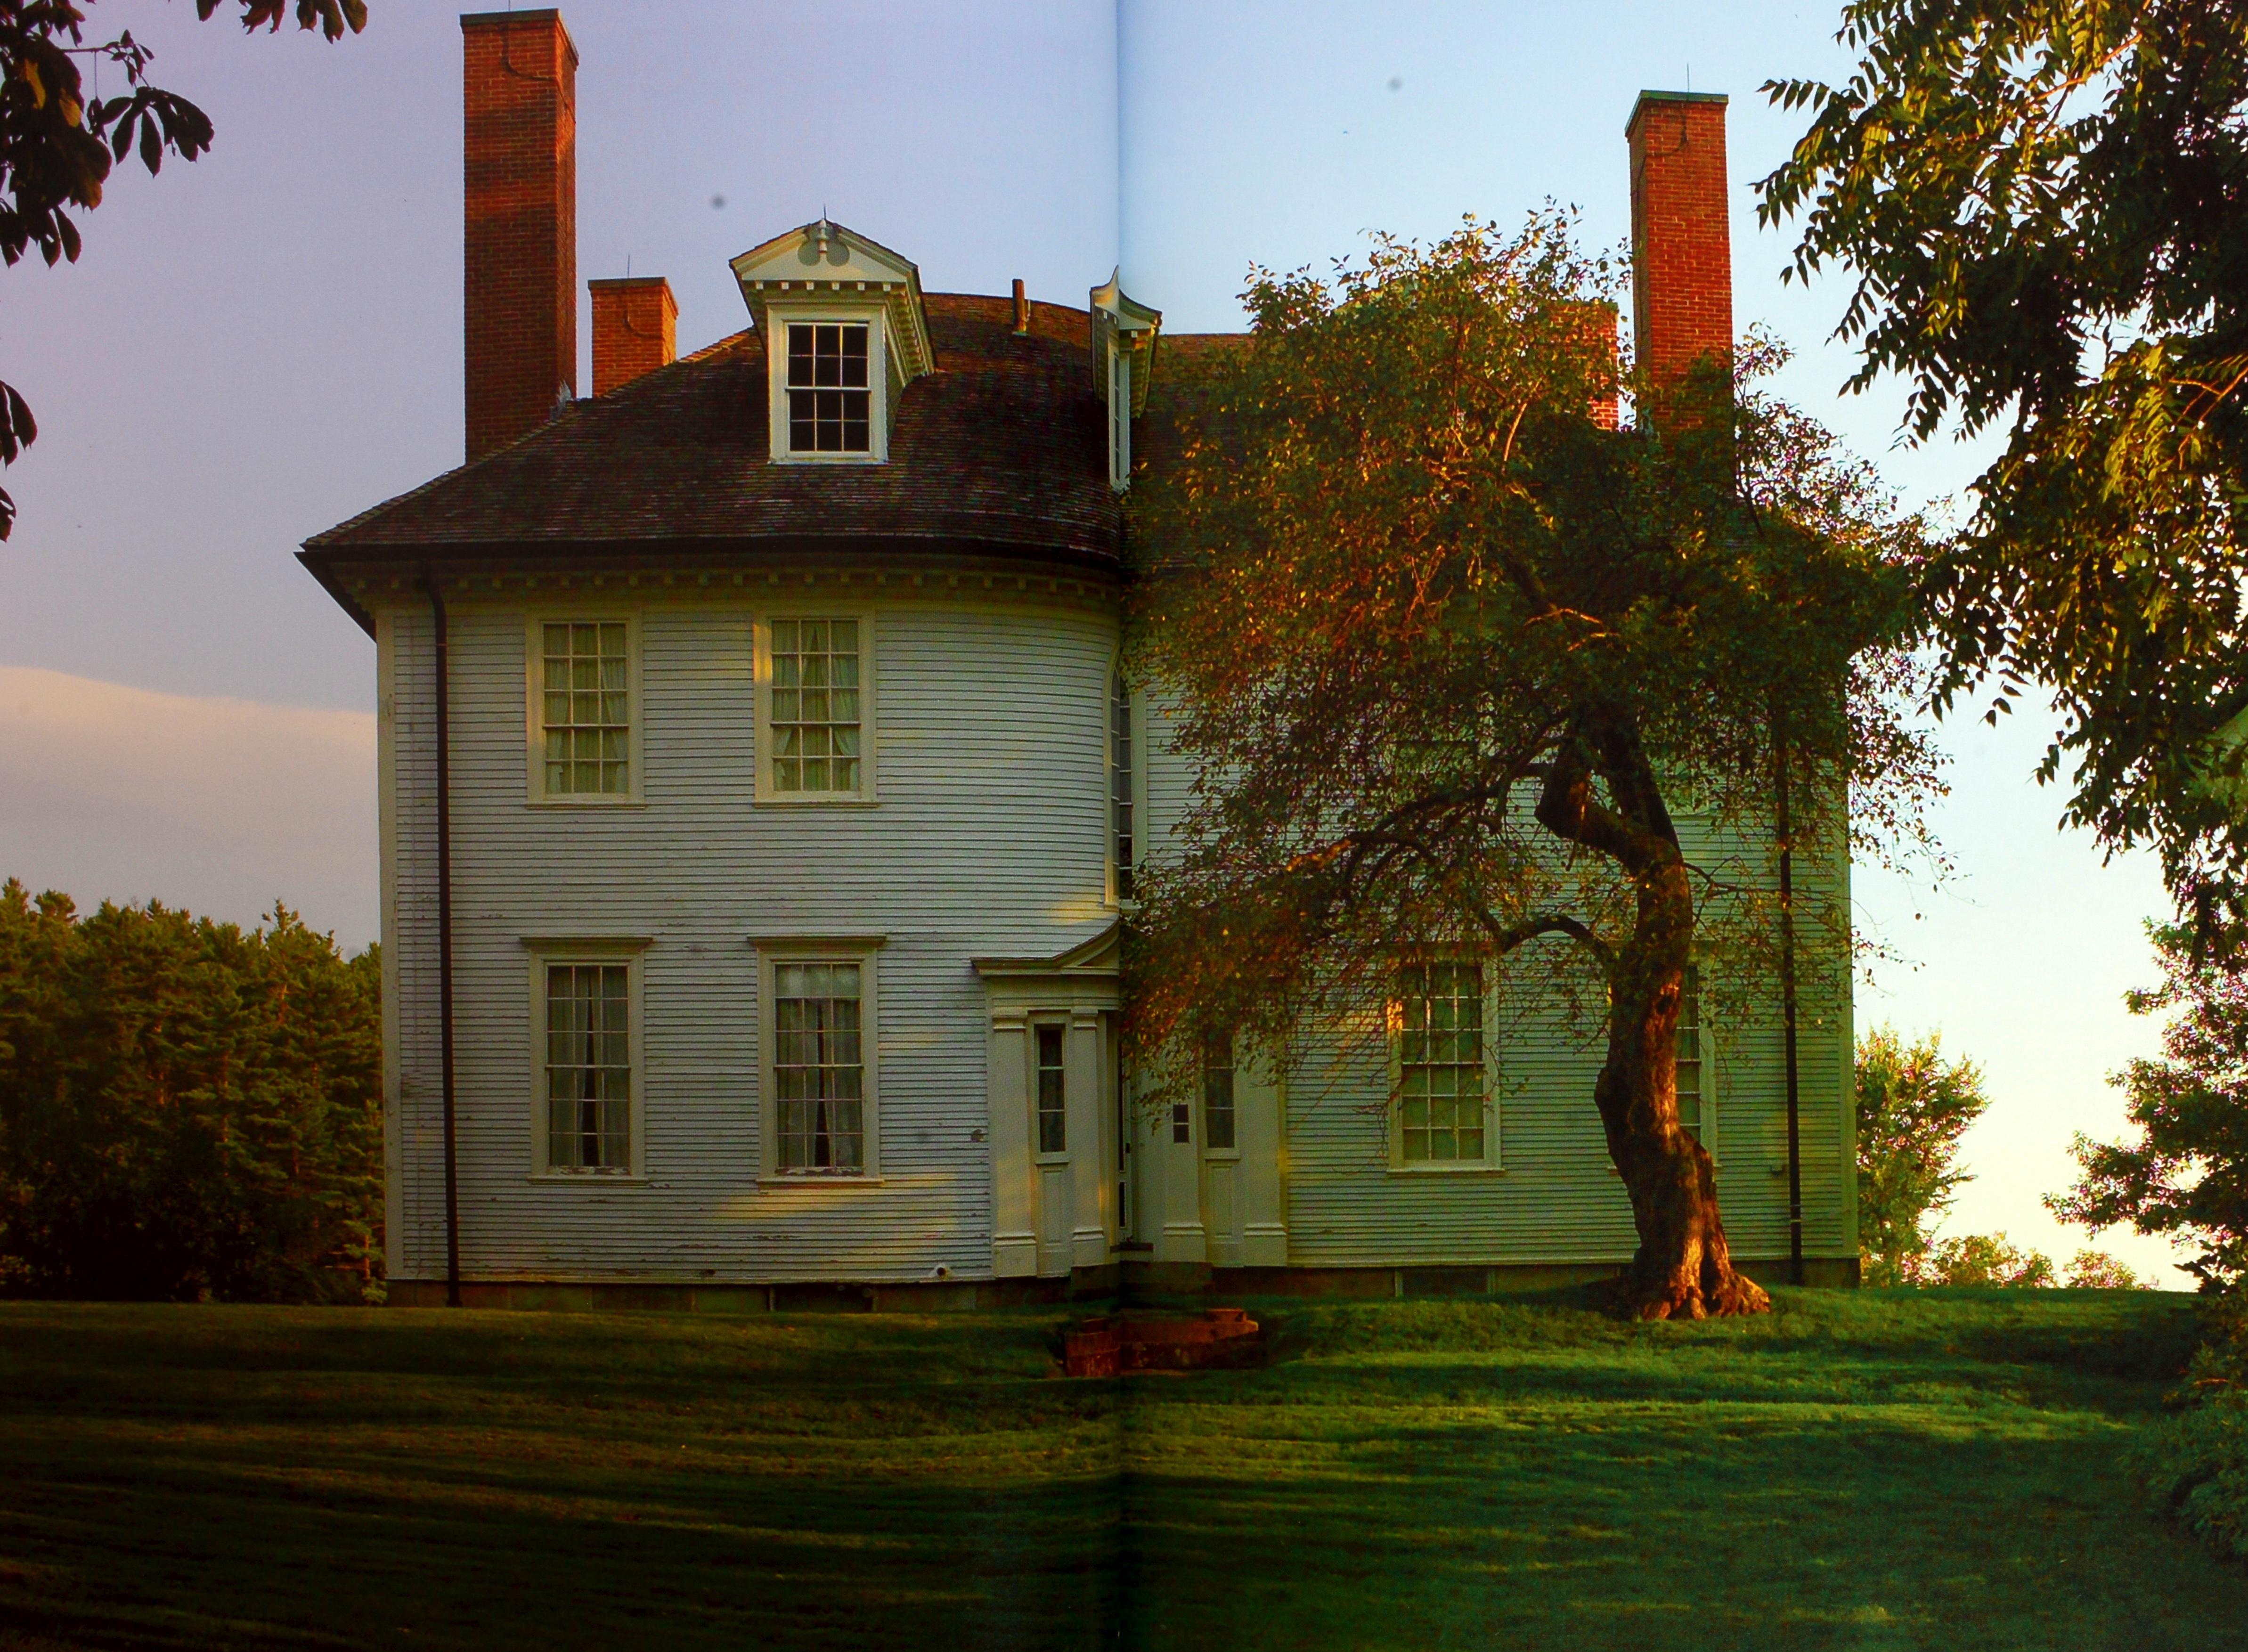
[
  {"x": 824, "y": 265},
  {"x": 1123, "y": 326}
]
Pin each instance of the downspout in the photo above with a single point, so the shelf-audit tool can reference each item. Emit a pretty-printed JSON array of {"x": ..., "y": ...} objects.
[
  {"x": 445, "y": 940},
  {"x": 1787, "y": 1017}
]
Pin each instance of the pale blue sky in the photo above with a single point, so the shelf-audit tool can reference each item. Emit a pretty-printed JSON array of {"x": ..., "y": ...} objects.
[{"x": 265, "y": 342}]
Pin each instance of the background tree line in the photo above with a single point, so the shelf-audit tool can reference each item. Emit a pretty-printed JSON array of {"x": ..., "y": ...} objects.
[{"x": 186, "y": 1109}]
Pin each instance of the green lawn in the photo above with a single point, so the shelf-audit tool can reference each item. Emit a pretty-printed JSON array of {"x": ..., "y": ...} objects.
[{"x": 1930, "y": 1470}]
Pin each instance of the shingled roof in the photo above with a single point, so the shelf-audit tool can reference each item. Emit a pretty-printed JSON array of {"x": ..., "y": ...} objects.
[{"x": 999, "y": 452}]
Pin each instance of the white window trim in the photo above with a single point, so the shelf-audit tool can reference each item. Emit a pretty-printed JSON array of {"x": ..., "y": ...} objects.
[
  {"x": 1031, "y": 1023},
  {"x": 777, "y": 315},
  {"x": 543, "y": 951},
  {"x": 1493, "y": 1161},
  {"x": 863, "y": 950},
  {"x": 865, "y": 796},
  {"x": 1202, "y": 1116},
  {"x": 534, "y": 670}
]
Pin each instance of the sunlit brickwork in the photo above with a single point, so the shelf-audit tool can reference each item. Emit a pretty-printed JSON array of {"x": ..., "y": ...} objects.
[{"x": 521, "y": 222}]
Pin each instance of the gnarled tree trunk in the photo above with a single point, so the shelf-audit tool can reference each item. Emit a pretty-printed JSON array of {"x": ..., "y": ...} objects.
[{"x": 1684, "y": 1268}]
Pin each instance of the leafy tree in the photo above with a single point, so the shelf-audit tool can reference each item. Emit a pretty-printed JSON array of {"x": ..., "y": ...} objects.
[
  {"x": 2044, "y": 203},
  {"x": 2186, "y": 1173},
  {"x": 2097, "y": 1271},
  {"x": 1983, "y": 1258},
  {"x": 56, "y": 144},
  {"x": 1450, "y": 658},
  {"x": 1913, "y": 1108},
  {"x": 2195, "y": 1459},
  {"x": 185, "y": 1109}
]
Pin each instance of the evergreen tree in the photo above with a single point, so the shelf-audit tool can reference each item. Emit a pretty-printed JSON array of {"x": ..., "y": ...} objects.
[{"x": 185, "y": 1108}]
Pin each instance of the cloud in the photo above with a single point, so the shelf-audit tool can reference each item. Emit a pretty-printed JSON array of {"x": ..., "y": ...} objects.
[{"x": 219, "y": 805}]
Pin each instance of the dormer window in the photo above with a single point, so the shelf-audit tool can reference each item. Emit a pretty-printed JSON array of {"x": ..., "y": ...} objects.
[
  {"x": 1124, "y": 333},
  {"x": 845, "y": 336},
  {"x": 830, "y": 403}
]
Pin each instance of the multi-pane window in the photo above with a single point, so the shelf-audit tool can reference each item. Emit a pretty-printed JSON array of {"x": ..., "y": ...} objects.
[
  {"x": 830, "y": 403},
  {"x": 819, "y": 1074},
  {"x": 587, "y": 709},
  {"x": 1120, "y": 420},
  {"x": 1439, "y": 1022},
  {"x": 1218, "y": 1091},
  {"x": 1690, "y": 1053},
  {"x": 1053, "y": 1121},
  {"x": 589, "y": 1068},
  {"x": 1119, "y": 783},
  {"x": 816, "y": 723}
]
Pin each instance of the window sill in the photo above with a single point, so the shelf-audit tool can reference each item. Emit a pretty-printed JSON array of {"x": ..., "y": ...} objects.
[
  {"x": 589, "y": 800},
  {"x": 586, "y": 1179},
  {"x": 1446, "y": 1170},
  {"x": 779, "y": 1179},
  {"x": 781, "y": 800}
]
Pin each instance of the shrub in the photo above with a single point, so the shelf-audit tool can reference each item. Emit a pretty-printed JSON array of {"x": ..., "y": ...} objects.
[
  {"x": 1981, "y": 1258},
  {"x": 2196, "y": 1462},
  {"x": 2097, "y": 1270}
]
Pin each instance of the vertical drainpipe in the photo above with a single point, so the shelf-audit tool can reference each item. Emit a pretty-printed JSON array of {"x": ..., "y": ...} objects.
[
  {"x": 445, "y": 939},
  {"x": 1787, "y": 1015}
]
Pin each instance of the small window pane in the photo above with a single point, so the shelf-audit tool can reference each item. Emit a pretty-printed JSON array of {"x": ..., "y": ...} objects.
[
  {"x": 830, "y": 403},
  {"x": 1122, "y": 847},
  {"x": 588, "y": 1068},
  {"x": 815, "y": 727},
  {"x": 586, "y": 704},
  {"x": 1218, "y": 1091},
  {"x": 820, "y": 1068},
  {"x": 1052, "y": 1106},
  {"x": 1441, "y": 1081},
  {"x": 1690, "y": 1053}
]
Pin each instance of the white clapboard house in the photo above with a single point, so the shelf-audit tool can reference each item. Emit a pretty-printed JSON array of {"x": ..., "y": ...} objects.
[{"x": 760, "y": 798}]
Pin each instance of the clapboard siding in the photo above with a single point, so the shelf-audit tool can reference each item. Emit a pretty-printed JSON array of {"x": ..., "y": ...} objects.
[
  {"x": 1555, "y": 1197},
  {"x": 988, "y": 837}
]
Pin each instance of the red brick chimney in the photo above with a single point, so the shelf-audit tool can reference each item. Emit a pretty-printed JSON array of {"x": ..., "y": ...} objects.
[
  {"x": 520, "y": 97},
  {"x": 1682, "y": 255},
  {"x": 635, "y": 329},
  {"x": 1596, "y": 324}
]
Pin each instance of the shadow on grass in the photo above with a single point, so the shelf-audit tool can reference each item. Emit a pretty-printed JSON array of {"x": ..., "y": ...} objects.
[
  {"x": 1670, "y": 1522},
  {"x": 211, "y": 1478},
  {"x": 1931, "y": 1471}
]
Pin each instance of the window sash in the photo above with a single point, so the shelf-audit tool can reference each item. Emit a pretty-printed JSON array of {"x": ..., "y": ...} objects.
[
  {"x": 819, "y": 1072},
  {"x": 1217, "y": 1093},
  {"x": 816, "y": 709},
  {"x": 1440, "y": 1079},
  {"x": 585, "y": 707},
  {"x": 1052, "y": 1099},
  {"x": 1120, "y": 786},
  {"x": 830, "y": 401},
  {"x": 1119, "y": 419},
  {"x": 589, "y": 1067},
  {"x": 1692, "y": 1094}
]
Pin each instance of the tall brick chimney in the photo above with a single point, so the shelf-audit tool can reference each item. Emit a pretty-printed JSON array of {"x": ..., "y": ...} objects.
[
  {"x": 519, "y": 91},
  {"x": 635, "y": 329},
  {"x": 1682, "y": 254}
]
